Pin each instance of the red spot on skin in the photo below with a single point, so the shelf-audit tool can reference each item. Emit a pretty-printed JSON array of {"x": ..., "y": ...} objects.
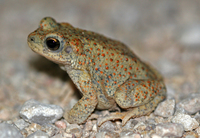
[
  {"x": 133, "y": 84},
  {"x": 130, "y": 67},
  {"x": 129, "y": 73},
  {"x": 120, "y": 75},
  {"x": 106, "y": 64},
  {"x": 109, "y": 76},
  {"x": 111, "y": 59},
  {"x": 126, "y": 59},
  {"x": 125, "y": 69},
  {"x": 96, "y": 68},
  {"x": 117, "y": 61},
  {"x": 90, "y": 48},
  {"x": 107, "y": 67},
  {"x": 79, "y": 62},
  {"x": 103, "y": 55},
  {"x": 101, "y": 72},
  {"x": 114, "y": 74},
  {"x": 112, "y": 54},
  {"x": 77, "y": 50}
]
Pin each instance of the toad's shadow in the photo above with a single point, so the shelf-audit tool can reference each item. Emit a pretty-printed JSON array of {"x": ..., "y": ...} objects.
[{"x": 42, "y": 64}]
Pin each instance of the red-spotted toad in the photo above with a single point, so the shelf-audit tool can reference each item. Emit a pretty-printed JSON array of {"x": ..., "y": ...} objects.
[{"x": 105, "y": 71}]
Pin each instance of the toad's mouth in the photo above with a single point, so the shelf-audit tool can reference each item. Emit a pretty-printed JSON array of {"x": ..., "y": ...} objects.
[
  {"x": 45, "y": 53},
  {"x": 59, "y": 61}
]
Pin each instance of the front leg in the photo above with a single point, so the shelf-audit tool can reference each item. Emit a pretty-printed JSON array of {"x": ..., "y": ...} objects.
[{"x": 86, "y": 105}]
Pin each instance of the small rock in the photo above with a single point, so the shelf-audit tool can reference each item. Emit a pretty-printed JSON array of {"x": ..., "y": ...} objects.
[
  {"x": 74, "y": 129},
  {"x": 198, "y": 131},
  {"x": 88, "y": 125},
  {"x": 191, "y": 105},
  {"x": 101, "y": 135},
  {"x": 130, "y": 124},
  {"x": 21, "y": 124},
  {"x": 169, "y": 130},
  {"x": 130, "y": 134},
  {"x": 168, "y": 67},
  {"x": 108, "y": 125},
  {"x": 190, "y": 36},
  {"x": 188, "y": 122},
  {"x": 190, "y": 136},
  {"x": 50, "y": 129},
  {"x": 61, "y": 124},
  {"x": 155, "y": 136},
  {"x": 9, "y": 131},
  {"x": 58, "y": 136},
  {"x": 197, "y": 117},
  {"x": 38, "y": 134},
  {"x": 34, "y": 111},
  {"x": 94, "y": 128},
  {"x": 165, "y": 108}
]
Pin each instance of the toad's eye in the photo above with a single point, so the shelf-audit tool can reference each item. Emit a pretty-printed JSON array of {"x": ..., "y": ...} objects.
[{"x": 52, "y": 43}]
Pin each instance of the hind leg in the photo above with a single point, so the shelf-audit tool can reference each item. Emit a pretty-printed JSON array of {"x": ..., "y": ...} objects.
[{"x": 139, "y": 99}]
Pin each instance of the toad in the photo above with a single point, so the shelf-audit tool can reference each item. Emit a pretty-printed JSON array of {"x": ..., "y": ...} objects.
[{"x": 106, "y": 71}]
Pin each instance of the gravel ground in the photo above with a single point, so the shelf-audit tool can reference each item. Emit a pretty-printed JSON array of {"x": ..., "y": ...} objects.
[{"x": 164, "y": 33}]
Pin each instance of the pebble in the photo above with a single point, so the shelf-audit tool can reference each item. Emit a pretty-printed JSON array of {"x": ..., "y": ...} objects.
[
  {"x": 169, "y": 130},
  {"x": 187, "y": 121},
  {"x": 129, "y": 135},
  {"x": 60, "y": 124},
  {"x": 38, "y": 134},
  {"x": 130, "y": 124},
  {"x": 9, "y": 131},
  {"x": 168, "y": 67},
  {"x": 21, "y": 124},
  {"x": 190, "y": 36},
  {"x": 198, "y": 131},
  {"x": 155, "y": 136},
  {"x": 40, "y": 113},
  {"x": 191, "y": 104},
  {"x": 108, "y": 125},
  {"x": 74, "y": 129},
  {"x": 57, "y": 136},
  {"x": 165, "y": 108}
]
